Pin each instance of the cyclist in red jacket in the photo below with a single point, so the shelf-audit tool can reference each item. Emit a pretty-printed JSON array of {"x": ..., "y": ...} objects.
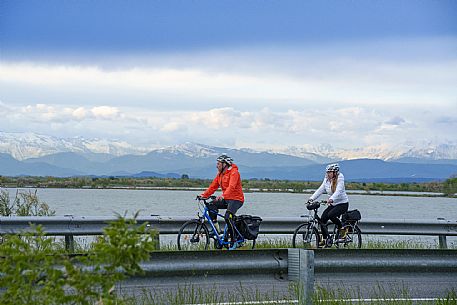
[{"x": 232, "y": 198}]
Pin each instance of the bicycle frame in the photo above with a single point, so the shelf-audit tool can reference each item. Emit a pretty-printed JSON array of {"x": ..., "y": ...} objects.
[
  {"x": 314, "y": 224},
  {"x": 315, "y": 220},
  {"x": 219, "y": 238}
]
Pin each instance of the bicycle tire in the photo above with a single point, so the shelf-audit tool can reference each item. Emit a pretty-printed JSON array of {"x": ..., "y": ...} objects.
[
  {"x": 354, "y": 239},
  {"x": 193, "y": 235},
  {"x": 358, "y": 233},
  {"x": 306, "y": 236}
]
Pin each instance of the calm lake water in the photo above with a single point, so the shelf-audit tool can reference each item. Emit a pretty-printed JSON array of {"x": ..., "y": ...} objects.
[{"x": 107, "y": 202}]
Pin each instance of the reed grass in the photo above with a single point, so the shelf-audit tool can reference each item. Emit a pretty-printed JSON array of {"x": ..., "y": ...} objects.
[{"x": 239, "y": 295}]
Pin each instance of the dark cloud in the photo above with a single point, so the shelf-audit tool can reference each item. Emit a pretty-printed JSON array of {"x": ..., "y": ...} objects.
[
  {"x": 446, "y": 120},
  {"x": 397, "y": 120}
]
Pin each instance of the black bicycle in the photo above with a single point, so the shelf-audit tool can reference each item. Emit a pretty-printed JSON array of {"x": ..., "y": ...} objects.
[{"x": 307, "y": 235}]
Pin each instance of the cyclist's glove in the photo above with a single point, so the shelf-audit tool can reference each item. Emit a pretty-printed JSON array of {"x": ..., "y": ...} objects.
[{"x": 310, "y": 201}]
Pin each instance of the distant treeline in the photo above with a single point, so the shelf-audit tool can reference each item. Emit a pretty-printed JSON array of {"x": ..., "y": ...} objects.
[{"x": 448, "y": 187}]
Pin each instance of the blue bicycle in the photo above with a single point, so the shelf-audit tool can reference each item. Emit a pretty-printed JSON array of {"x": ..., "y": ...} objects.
[{"x": 195, "y": 235}]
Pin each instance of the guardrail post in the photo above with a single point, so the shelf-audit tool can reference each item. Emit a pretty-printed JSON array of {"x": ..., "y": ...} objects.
[
  {"x": 442, "y": 238},
  {"x": 69, "y": 243},
  {"x": 156, "y": 235},
  {"x": 301, "y": 270},
  {"x": 69, "y": 239},
  {"x": 157, "y": 239},
  {"x": 442, "y": 241}
]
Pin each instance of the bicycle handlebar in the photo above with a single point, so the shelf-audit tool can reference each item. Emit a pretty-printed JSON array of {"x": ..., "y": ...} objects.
[
  {"x": 204, "y": 199},
  {"x": 314, "y": 205}
]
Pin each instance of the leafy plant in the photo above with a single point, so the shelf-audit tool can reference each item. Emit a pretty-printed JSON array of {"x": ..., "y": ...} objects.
[
  {"x": 34, "y": 271},
  {"x": 23, "y": 204}
]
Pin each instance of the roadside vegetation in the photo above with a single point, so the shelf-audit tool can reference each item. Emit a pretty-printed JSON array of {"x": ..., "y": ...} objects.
[
  {"x": 25, "y": 203},
  {"x": 35, "y": 270},
  {"x": 448, "y": 187}
]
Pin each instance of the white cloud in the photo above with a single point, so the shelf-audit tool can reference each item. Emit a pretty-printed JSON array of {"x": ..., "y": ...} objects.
[
  {"x": 275, "y": 97},
  {"x": 79, "y": 113},
  {"x": 172, "y": 127},
  {"x": 105, "y": 112},
  {"x": 343, "y": 127}
]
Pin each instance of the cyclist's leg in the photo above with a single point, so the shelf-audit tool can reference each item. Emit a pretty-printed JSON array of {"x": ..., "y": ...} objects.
[
  {"x": 214, "y": 206},
  {"x": 336, "y": 212},
  {"x": 323, "y": 223},
  {"x": 232, "y": 208},
  {"x": 213, "y": 209}
]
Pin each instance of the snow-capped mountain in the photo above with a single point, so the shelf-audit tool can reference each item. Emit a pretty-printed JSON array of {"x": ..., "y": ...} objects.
[
  {"x": 426, "y": 151},
  {"x": 31, "y": 145},
  {"x": 40, "y": 155},
  {"x": 432, "y": 152},
  {"x": 192, "y": 150}
]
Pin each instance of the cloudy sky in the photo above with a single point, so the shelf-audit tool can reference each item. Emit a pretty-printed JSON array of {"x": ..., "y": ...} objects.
[{"x": 259, "y": 74}]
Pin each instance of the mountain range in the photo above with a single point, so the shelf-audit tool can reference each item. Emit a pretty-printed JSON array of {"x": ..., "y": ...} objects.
[{"x": 40, "y": 155}]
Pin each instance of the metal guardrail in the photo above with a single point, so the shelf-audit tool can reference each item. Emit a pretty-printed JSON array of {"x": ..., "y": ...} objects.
[
  {"x": 265, "y": 268},
  {"x": 386, "y": 260},
  {"x": 70, "y": 226}
]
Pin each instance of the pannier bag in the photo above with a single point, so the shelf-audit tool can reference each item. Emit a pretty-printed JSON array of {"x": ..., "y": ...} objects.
[
  {"x": 352, "y": 215},
  {"x": 248, "y": 226}
]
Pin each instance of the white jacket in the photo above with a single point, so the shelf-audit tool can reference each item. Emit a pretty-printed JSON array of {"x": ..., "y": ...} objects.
[{"x": 338, "y": 197}]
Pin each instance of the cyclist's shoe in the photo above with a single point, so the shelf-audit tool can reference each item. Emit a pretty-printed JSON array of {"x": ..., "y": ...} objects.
[
  {"x": 343, "y": 233},
  {"x": 322, "y": 242}
]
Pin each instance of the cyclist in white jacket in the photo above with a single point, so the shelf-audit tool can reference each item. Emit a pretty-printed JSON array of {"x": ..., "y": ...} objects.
[{"x": 338, "y": 202}]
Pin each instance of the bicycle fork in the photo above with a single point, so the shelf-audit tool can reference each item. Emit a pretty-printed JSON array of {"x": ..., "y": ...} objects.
[{"x": 198, "y": 231}]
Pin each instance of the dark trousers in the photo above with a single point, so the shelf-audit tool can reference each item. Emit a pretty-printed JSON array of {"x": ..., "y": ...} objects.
[
  {"x": 232, "y": 207},
  {"x": 332, "y": 213}
]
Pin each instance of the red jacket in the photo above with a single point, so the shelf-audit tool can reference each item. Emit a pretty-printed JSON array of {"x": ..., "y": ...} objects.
[{"x": 230, "y": 183}]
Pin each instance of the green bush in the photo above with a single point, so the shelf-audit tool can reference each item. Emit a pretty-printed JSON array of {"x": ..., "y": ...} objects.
[
  {"x": 34, "y": 271},
  {"x": 24, "y": 204},
  {"x": 450, "y": 186}
]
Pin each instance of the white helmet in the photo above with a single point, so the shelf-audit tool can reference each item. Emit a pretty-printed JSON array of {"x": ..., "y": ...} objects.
[
  {"x": 225, "y": 159},
  {"x": 332, "y": 167}
]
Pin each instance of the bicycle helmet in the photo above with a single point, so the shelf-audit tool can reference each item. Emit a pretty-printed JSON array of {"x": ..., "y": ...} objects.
[
  {"x": 225, "y": 159},
  {"x": 332, "y": 167}
]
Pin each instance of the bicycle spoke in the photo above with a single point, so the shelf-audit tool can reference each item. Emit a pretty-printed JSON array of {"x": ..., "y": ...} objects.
[
  {"x": 305, "y": 236},
  {"x": 193, "y": 235}
]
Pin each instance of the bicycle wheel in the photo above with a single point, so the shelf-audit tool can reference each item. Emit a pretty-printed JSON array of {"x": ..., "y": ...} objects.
[
  {"x": 353, "y": 239},
  {"x": 306, "y": 236},
  {"x": 193, "y": 235},
  {"x": 356, "y": 236}
]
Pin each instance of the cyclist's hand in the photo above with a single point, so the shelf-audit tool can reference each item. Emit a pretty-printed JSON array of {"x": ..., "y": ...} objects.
[
  {"x": 200, "y": 197},
  {"x": 310, "y": 201},
  {"x": 330, "y": 201},
  {"x": 220, "y": 198}
]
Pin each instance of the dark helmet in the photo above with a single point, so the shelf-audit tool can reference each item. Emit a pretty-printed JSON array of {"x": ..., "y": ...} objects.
[{"x": 225, "y": 159}]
